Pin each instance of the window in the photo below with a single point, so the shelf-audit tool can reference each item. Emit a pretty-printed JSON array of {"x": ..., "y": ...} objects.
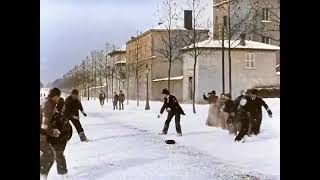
[
  {"x": 250, "y": 61},
  {"x": 266, "y": 40},
  {"x": 265, "y": 14}
]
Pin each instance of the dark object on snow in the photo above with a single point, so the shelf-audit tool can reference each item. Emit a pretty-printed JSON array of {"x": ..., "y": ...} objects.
[{"x": 170, "y": 141}]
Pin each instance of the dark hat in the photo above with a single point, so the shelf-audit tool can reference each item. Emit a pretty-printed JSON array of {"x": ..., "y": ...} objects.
[
  {"x": 254, "y": 91},
  {"x": 165, "y": 91},
  {"x": 213, "y": 92},
  {"x": 75, "y": 92},
  {"x": 54, "y": 92},
  {"x": 170, "y": 141}
]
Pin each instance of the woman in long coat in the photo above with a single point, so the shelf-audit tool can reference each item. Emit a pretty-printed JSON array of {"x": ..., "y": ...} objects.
[{"x": 213, "y": 115}]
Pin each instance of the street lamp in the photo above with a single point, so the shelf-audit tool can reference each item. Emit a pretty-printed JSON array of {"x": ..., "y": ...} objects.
[{"x": 147, "y": 71}]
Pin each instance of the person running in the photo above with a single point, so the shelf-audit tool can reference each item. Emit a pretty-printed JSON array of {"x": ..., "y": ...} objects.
[
  {"x": 121, "y": 99},
  {"x": 244, "y": 116},
  {"x": 72, "y": 107},
  {"x": 47, "y": 110},
  {"x": 102, "y": 97},
  {"x": 174, "y": 109},
  {"x": 115, "y": 101},
  {"x": 256, "y": 112}
]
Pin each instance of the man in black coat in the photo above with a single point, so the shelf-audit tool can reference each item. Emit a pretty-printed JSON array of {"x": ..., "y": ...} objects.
[
  {"x": 115, "y": 101},
  {"x": 243, "y": 115},
  {"x": 121, "y": 99},
  {"x": 102, "y": 97},
  {"x": 59, "y": 143},
  {"x": 72, "y": 107},
  {"x": 174, "y": 109},
  {"x": 230, "y": 108},
  {"x": 256, "y": 110}
]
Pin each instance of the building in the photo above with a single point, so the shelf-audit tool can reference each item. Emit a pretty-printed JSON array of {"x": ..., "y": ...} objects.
[
  {"x": 145, "y": 51},
  {"x": 258, "y": 19},
  {"x": 253, "y": 65},
  {"x": 117, "y": 76}
]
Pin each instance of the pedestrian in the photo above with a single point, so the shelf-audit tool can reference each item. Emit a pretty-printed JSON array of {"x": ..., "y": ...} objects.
[
  {"x": 213, "y": 114},
  {"x": 121, "y": 98},
  {"x": 230, "y": 109},
  {"x": 256, "y": 111},
  {"x": 59, "y": 143},
  {"x": 243, "y": 115},
  {"x": 237, "y": 100},
  {"x": 102, "y": 97},
  {"x": 72, "y": 107},
  {"x": 115, "y": 101},
  {"x": 173, "y": 108},
  {"x": 46, "y": 114}
]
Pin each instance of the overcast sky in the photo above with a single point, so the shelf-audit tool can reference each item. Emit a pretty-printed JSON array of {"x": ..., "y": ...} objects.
[{"x": 70, "y": 29}]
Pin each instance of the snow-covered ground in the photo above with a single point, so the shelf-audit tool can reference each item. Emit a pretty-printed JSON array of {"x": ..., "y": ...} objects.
[{"x": 126, "y": 145}]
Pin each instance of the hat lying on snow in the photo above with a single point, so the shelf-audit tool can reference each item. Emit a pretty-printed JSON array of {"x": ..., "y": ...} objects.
[{"x": 170, "y": 141}]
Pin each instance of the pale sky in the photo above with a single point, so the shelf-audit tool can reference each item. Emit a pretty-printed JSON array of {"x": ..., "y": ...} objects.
[{"x": 70, "y": 29}]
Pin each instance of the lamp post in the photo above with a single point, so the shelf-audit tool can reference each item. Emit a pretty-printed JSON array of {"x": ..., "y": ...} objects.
[{"x": 147, "y": 71}]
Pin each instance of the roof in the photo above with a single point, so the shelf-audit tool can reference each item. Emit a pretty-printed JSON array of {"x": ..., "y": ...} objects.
[
  {"x": 171, "y": 79},
  {"x": 122, "y": 61},
  {"x": 119, "y": 50},
  {"x": 209, "y": 43}
]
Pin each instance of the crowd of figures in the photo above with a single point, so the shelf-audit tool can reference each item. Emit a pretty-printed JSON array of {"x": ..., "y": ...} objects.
[
  {"x": 241, "y": 116},
  {"x": 117, "y": 99},
  {"x": 55, "y": 129}
]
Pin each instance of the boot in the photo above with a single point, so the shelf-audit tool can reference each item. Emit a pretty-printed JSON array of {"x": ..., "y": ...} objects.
[{"x": 83, "y": 137}]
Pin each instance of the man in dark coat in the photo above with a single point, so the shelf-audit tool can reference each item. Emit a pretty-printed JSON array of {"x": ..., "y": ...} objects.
[
  {"x": 72, "y": 107},
  {"x": 256, "y": 111},
  {"x": 59, "y": 143},
  {"x": 230, "y": 108},
  {"x": 102, "y": 97},
  {"x": 121, "y": 99},
  {"x": 243, "y": 115},
  {"x": 115, "y": 101},
  {"x": 174, "y": 109},
  {"x": 46, "y": 130}
]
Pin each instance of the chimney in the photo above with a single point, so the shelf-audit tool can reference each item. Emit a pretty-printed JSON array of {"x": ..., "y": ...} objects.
[
  {"x": 243, "y": 39},
  {"x": 132, "y": 37},
  {"x": 188, "y": 19}
]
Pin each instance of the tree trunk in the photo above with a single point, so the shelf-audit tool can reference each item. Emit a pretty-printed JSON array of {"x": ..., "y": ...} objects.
[
  {"x": 107, "y": 87},
  {"x": 169, "y": 75},
  {"x": 194, "y": 86},
  {"x": 229, "y": 51}
]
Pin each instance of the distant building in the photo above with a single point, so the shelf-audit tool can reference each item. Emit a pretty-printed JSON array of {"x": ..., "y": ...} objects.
[
  {"x": 145, "y": 50},
  {"x": 253, "y": 65}
]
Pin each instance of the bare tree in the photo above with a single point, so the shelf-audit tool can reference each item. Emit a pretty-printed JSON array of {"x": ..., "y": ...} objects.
[
  {"x": 171, "y": 40},
  {"x": 194, "y": 37}
]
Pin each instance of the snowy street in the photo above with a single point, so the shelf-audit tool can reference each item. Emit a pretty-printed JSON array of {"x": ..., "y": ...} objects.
[{"x": 126, "y": 145}]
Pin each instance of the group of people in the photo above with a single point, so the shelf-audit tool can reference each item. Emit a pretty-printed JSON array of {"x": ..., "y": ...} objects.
[
  {"x": 242, "y": 116},
  {"x": 117, "y": 99},
  {"x": 55, "y": 129}
]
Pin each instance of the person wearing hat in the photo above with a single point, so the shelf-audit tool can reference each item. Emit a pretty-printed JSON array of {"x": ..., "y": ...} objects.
[
  {"x": 174, "y": 109},
  {"x": 213, "y": 114},
  {"x": 256, "y": 110},
  {"x": 102, "y": 97},
  {"x": 46, "y": 130},
  {"x": 72, "y": 107}
]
